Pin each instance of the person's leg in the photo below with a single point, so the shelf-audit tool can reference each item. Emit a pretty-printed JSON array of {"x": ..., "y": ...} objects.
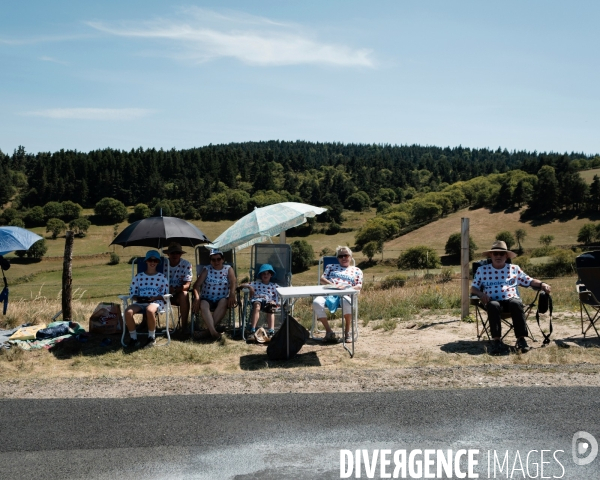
[
  {"x": 271, "y": 321},
  {"x": 517, "y": 313},
  {"x": 494, "y": 310},
  {"x": 151, "y": 310},
  {"x": 319, "y": 308},
  {"x": 255, "y": 314},
  {"x": 515, "y": 307},
  {"x": 129, "y": 320},
  {"x": 220, "y": 311},
  {"x": 347, "y": 312},
  {"x": 183, "y": 302},
  {"x": 208, "y": 318}
]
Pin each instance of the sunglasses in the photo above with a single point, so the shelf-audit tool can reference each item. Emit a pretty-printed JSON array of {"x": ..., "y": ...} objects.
[
  {"x": 498, "y": 254},
  {"x": 152, "y": 260},
  {"x": 343, "y": 256},
  {"x": 216, "y": 259}
]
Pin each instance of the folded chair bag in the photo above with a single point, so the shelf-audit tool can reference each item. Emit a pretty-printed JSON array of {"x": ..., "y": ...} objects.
[{"x": 277, "y": 349}]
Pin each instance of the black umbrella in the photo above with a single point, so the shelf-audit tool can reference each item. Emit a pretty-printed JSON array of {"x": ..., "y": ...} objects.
[{"x": 157, "y": 232}]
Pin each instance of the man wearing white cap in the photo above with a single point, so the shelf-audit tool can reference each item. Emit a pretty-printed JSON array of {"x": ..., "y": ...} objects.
[{"x": 496, "y": 286}]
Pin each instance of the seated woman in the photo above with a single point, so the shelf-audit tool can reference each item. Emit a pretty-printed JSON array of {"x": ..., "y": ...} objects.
[
  {"x": 147, "y": 290},
  {"x": 214, "y": 292},
  {"x": 342, "y": 274}
]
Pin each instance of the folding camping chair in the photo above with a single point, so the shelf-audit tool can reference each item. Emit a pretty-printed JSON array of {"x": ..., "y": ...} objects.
[
  {"x": 202, "y": 261},
  {"x": 279, "y": 256},
  {"x": 323, "y": 262},
  {"x": 505, "y": 316},
  {"x": 588, "y": 289},
  {"x": 163, "y": 328}
]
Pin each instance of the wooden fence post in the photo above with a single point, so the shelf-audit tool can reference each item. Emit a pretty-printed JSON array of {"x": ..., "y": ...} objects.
[
  {"x": 67, "y": 288},
  {"x": 464, "y": 267}
]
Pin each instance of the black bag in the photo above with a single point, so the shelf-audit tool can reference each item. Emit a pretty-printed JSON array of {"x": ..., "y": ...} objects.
[{"x": 277, "y": 348}]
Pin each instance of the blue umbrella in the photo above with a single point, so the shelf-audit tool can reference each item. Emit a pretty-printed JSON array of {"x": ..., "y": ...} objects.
[
  {"x": 16, "y": 238},
  {"x": 13, "y": 238}
]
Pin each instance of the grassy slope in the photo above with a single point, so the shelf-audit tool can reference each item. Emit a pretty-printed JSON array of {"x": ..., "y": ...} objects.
[{"x": 96, "y": 280}]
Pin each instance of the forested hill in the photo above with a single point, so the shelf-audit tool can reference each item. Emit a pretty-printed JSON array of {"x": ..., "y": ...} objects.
[{"x": 227, "y": 180}]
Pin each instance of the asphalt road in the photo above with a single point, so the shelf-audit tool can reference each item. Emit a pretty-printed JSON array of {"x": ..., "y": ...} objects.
[{"x": 296, "y": 436}]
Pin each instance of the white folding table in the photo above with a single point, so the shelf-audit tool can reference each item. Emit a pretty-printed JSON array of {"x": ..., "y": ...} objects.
[{"x": 289, "y": 295}]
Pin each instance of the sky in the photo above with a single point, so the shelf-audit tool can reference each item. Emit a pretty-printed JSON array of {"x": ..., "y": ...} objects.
[{"x": 520, "y": 75}]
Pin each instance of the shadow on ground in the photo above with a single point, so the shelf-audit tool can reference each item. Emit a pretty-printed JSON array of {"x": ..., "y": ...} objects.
[
  {"x": 472, "y": 347},
  {"x": 262, "y": 362}
]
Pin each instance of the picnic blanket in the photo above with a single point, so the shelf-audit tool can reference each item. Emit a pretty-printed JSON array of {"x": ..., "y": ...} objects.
[{"x": 72, "y": 329}]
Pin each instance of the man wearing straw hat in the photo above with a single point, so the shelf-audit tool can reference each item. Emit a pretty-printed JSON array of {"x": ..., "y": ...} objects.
[
  {"x": 180, "y": 279},
  {"x": 496, "y": 286}
]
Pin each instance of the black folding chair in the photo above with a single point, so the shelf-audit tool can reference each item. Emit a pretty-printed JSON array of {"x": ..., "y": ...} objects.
[
  {"x": 505, "y": 316},
  {"x": 588, "y": 289}
]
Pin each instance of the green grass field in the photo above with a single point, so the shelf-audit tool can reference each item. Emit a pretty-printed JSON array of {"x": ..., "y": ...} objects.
[{"x": 95, "y": 280}]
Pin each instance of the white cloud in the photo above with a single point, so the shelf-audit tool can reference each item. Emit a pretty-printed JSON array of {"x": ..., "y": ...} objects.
[
  {"x": 206, "y": 35},
  {"x": 53, "y": 60},
  {"x": 91, "y": 113}
]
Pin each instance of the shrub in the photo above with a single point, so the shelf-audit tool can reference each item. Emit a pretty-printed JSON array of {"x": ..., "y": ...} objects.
[
  {"x": 383, "y": 207},
  {"x": 358, "y": 201},
  {"x": 55, "y": 226},
  {"x": 587, "y": 233},
  {"x": 114, "y": 259},
  {"x": 327, "y": 252},
  {"x": 80, "y": 226},
  {"x": 333, "y": 228},
  {"x": 392, "y": 281},
  {"x": 446, "y": 275},
  {"x": 110, "y": 210},
  {"x": 419, "y": 257},
  {"x": 16, "y": 222},
  {"x": 371, "y": 248},
  {"x": 546, "y": 240},
  {"x": 71, "y": 210},
  {"x": 53, "y": 210},
  {"x": 37, "y": 250},
  {"x": 303, "y": 256},
  {"x": 454, "y": 244},
  {"x": 507, "y": 238},
  {"x": 35, "y": 217}
]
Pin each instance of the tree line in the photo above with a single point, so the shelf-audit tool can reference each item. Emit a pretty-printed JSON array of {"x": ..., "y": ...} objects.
[{"x": 227, "y": 181}]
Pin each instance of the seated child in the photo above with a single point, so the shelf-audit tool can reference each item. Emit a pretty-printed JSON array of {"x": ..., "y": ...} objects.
[{"x": 263, "y": 296}]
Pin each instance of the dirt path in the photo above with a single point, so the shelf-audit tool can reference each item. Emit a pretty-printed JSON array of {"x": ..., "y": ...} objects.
[{"x": 435, "y": 352}]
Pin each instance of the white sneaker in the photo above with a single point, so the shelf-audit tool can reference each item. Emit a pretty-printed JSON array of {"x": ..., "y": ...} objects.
[{"x": 348, "y": 337}]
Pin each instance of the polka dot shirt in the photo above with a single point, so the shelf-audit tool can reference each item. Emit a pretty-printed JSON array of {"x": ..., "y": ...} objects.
[
  {"x": 144, "y": 285},
  {"x": 350, "y": 276},
  {"x": 216, "y": 283},
  {"x": 500, "y": 284},
  {"x": 264, "y": 291},
  {"x": 180, "y": 274}
]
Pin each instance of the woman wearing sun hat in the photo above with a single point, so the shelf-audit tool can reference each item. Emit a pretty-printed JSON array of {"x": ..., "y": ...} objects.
[
  {"x": 180, "y": 280},
  {"x": 214, "y": 292},
  {"x": 147, "y": 290},
  {"x": 496, "y": 286}
]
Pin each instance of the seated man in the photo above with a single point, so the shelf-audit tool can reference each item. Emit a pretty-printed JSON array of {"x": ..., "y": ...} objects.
[
  {"x": 147, "y": 290},
  {"x": 180, "y": 279},
  {"x": 496, "y": 286},
  {"x": 214, "y": 292}
]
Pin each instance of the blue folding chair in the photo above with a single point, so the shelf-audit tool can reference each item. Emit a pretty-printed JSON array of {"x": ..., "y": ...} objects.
[{"x": 165, "y": 328}]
